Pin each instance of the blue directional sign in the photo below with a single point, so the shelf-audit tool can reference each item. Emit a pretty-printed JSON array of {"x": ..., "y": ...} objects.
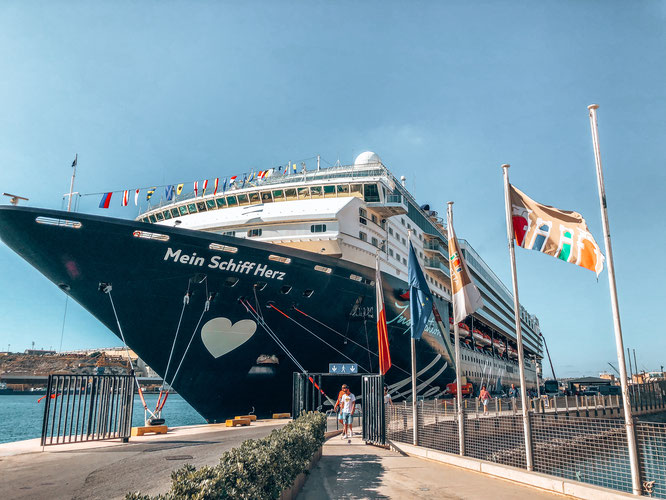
[{"x": 343, "y": 368}]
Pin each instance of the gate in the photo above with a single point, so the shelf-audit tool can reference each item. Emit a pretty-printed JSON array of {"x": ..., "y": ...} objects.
[
  {"x": 87, "y": 408},
  {"x": 306, "y": 396},
  {"x": 374, "y": 410}
]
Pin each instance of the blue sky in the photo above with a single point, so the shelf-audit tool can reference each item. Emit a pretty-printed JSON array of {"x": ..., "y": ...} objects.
[{"x": 445, "y": 92}]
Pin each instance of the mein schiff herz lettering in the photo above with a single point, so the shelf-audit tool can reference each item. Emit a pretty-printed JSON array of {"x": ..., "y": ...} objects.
[{"x": 299, "y": 249}]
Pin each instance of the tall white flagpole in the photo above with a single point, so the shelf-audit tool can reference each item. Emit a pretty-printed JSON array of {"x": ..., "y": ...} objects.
[
  {"x": 414, "y": 401},
  {"x": 626, "y": 403},
  {"x": 516, "y": 311},
  {"x": 71, "y": 184},
  {"x": 456, "y": 339}
]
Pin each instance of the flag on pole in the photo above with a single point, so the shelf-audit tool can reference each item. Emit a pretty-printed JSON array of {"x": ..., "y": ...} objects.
[
  {"x": 205, "y": 186},
  {"x": 562, "y": 234},
  {"x": 106, "y": 199},
  {"x": 217, "y": 182},
  {"x": 224, "y": 187},
  {"x": 244, "y": 180},
  {"x": 149, "y": 193},
  {"x": 196, "y": 188},
  {"x": 168, "y": 193},
  {"x": 466, "y": 296},
  {"x": 382, "y": 330},
  {"x": 76, "y": 158},
  {"x": 233, "y": 179},
  {"x": 136, "y": 197},
  {"x": 125, "y": 199},
  {"x": 420, "y": 298},
  {"x": 179, "y": 189}
]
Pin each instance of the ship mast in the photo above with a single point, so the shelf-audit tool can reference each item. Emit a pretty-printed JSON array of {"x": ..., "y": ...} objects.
[{"x": 71, "y": 185}]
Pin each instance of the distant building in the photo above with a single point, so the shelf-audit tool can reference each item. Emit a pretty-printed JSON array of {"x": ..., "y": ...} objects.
[
  {"x": 38, "y": 352},
  {"x": 610, "y": 376}
]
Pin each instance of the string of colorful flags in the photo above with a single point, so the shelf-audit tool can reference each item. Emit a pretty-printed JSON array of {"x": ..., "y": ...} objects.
[{"x": 201, "y": 188}]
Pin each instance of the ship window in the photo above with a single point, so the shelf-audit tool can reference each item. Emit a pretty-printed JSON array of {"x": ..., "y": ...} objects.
[
  {"x": 278, "y": 195},
  {"x": 291, "y": 194},
  {"x": 260, "y": 285},
  {"x": 201, "y": 206},
  {"x": 72, "y": 224},
  {"x": 174, "y": 212},
  {"x": 243, "y": 199},
  {"x": 308, "y": 293},
  {"x": 391, "y": 252},
  {"x": 403, "y": 221},
  {"x": 182, "y": 209},
  {"x": 223, "y": 248},
  {"x": 254, "y": 198},
  {"x": 356, "y": 190},
  {"x": 370, "y": 193},
  {"x": 231, "y": 281},
  {"x": 363, "y": 236},
  {"x": 409, "y": 226},
  {"x": 211, "y": 205},
  {"x": 253, "y": 233},
  {"x": 355, "y": 277},
  {"x": 221, "y": 203},
  {"x": 323, "y": 269},
  {"x": 232, "y": 201},
  {"x": 390, "y": 230},
  {"x": 229, "y": 233},
  {"x": 404, "y": 261},
  {"x": 315, "y": 191},
  {"x": 150, "y": 236},
  {"x": 279, "y": 258},
  {"x": 363, "y": 221},
  {"x": 329, "y": 191},
  {"x": 342, "y": 189},
  {"x": 266, "y": 197},
  {"x": 303, "y": 193},
  {"x": 363, "y": 212},
  {"x": 167, "y": 214},
  {"x": 374, "y": 218},
  {"x": 192, "y": 208},
  {"x": 285, "y": 289},
  {"x": 159, "y": 216},
  {"x": 375, "y": 242},
  {"x": 318, "y": 228}
]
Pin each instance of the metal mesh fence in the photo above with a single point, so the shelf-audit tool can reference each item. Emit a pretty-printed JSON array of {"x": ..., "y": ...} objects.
[
  {"x": 438, "y": 425},
  {"x": 495, "y": 438},
  {"x": 651, "y": 439},
  {"x": 399, "y": 423},
  {"x": 591, "y": 450}
]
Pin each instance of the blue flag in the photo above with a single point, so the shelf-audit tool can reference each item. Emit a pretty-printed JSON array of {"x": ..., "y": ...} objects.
[
  {"x": 420, "y": 298},
  {"x": 224, "y": 188},
  {"x": 168, "y": 193}
]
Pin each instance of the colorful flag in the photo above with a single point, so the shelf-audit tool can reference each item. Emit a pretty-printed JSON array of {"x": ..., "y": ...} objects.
[
  {"x": 179, "y": 189},
  {"x": 244, "y": 180},
  {"x": 420, "y": 298},
  {"x": 196, "y": 188},
  {"x": 217, "y": 182},
  {"x": 382, "y": 330},
  {"x": 294, "y": 165},
  {"x": 233, "y": 179},
  {"x": 260, "y": 175},
  {"x": 224, "y": 188},
  {"x": 125, "y": 199},
  {"x": 466, "y": 296},
  {"x": 168, "y": 193},
  {"x": 560, "y": 233},
  {"x": 205, "y": 186},
  {"x": 136, "y": 197},
  {"x": 106, "y": 199},
  {"x": 149, "y": 193}
]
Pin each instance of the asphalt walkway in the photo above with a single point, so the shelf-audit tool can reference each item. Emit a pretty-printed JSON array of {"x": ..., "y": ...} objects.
[{"x": 351, "y": 469}]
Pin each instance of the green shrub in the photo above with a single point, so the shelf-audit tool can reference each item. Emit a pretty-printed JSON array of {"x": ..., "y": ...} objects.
[{"x": 257, "y": 469}]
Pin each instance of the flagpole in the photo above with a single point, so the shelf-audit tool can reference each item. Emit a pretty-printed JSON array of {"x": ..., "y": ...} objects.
[
  {"x": 456, "y": 339},
  {"x": 413, "y": 349},
  {"x": 71, "y": 185},
  {"x": 516, "y": 312},
  {"x": 626, "y": 403}
]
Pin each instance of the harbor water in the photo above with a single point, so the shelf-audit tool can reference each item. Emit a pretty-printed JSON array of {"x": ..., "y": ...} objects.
[{"x": 21, "y": 416}]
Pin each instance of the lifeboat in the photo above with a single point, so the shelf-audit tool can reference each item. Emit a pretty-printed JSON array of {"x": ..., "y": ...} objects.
[
  {"x": 464, "y": 330},
  {"x": 500, "y": 347},
  {"x": 481, "y": 339},
  {"x": 513, "y": 354}
]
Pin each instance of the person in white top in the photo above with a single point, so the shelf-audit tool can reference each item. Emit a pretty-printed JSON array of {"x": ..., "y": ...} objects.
[{"x": 348, "y": 406}]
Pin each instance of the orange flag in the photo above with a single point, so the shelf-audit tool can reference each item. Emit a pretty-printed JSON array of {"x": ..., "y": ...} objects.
[{"x": 382, "y": 330}]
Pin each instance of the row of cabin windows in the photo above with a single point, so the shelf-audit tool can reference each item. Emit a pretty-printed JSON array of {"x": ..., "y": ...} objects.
[
  {"x": 232, "y": 281},
  {"x": 254, "y": 233},
  {"x": 368, "y": 192}
]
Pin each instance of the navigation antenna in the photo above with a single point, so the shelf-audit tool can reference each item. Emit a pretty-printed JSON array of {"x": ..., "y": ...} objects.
[{"x": 14, "y": 198}]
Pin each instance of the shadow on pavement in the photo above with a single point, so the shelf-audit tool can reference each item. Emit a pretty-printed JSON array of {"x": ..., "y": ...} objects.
[{"x": 355, "y": 476}]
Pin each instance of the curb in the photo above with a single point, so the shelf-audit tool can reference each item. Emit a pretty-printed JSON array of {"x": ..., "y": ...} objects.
[{"x": 292, "y": 492}]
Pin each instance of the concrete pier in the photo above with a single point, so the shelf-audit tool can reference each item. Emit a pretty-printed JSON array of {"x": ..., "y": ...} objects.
[{"x": 110, "y": 469}]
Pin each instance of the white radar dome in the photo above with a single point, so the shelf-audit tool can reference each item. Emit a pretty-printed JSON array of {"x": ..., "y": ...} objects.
[{"x": 367, "y": 157}]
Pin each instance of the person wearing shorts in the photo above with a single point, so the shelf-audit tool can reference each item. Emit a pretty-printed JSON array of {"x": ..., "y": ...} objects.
[
  {"x": 484, "y": 396},
  {"x": 347, "y": 406}
]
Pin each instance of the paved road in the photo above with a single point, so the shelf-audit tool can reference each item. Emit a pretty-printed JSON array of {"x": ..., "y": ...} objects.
[
  {"x": 111, "y": 471},
  {"x": 349, "y": 469}
]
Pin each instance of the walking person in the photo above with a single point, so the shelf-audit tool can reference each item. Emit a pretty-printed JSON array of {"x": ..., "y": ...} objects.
[
  {"x": 348, "y": 406},
  {"x": 513, "y": 392},
  {"x": 387, "y": 397},
  {"x": 484, "y": 397}
]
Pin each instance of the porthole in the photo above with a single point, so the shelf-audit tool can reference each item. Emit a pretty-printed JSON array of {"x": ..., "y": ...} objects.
[
  {"x": 260, "y": 285},
  {"x": 285, "y": 289},
  {"x": 308, "y": 293},
  {"x": 231, "y": 281}
]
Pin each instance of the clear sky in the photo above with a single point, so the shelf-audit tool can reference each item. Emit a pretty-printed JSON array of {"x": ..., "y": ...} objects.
[{"x": 445, "y": 92}]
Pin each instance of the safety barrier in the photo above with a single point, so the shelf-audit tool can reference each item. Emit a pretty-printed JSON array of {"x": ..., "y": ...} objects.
[
  {"x": 87, "y": 408},
  {"x": 572, "y": 446}
]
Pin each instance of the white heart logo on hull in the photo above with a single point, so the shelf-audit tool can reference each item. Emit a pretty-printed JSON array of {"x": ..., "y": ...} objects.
[{"x": 220, "y": 336}]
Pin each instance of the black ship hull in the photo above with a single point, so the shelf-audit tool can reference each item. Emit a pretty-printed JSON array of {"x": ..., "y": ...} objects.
[{"x": 320, "y": 308}]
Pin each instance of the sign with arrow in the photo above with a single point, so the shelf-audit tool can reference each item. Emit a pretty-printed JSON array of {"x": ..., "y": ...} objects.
[{"x": 343, "y": 368}]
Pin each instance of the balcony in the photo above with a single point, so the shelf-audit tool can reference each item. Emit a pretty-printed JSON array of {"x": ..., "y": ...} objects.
[
  {"x": 433, "y": 246},
  {"x": 393, "y": 205},
  {"x": 435, "y": 264}
]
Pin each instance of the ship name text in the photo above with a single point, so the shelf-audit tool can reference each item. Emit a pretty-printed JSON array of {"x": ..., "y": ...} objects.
[{"x": 217, "y": 262}]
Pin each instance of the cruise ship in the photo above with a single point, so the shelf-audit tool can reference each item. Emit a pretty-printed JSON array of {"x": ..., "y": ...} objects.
[{"x": 226, "y": 295}]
